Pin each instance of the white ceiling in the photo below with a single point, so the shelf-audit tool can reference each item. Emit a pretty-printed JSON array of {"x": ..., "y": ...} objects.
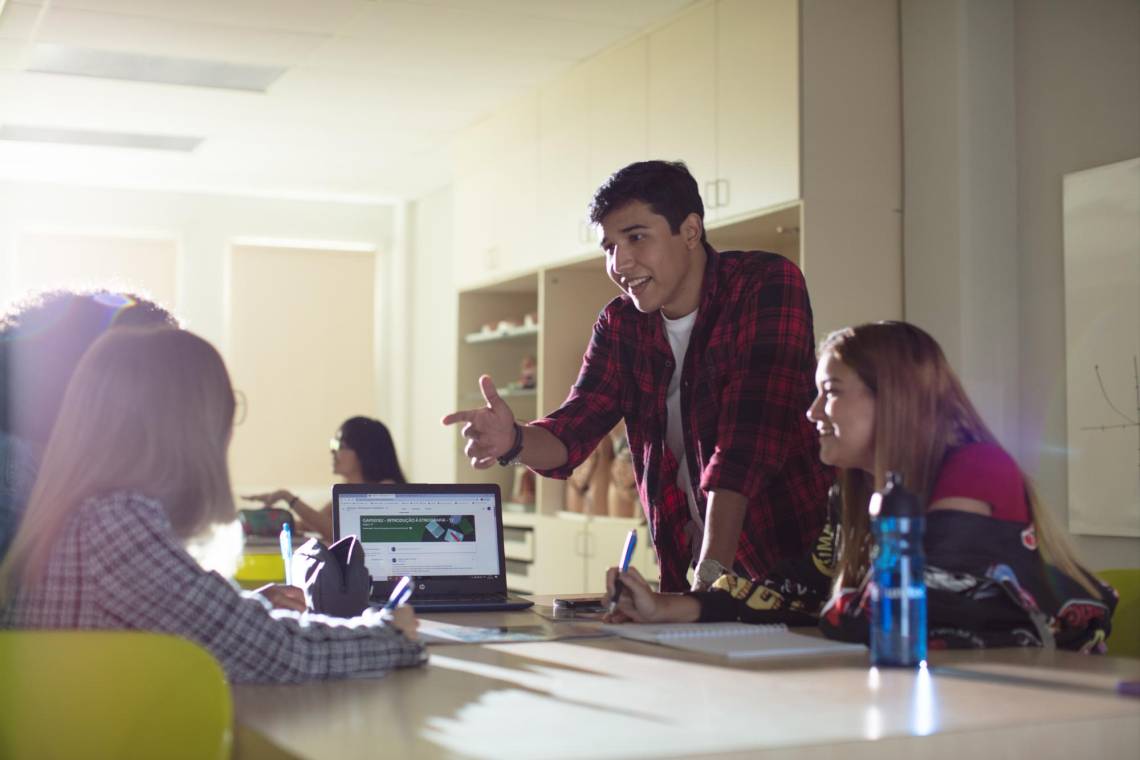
[{"x": 374, "y": 90}]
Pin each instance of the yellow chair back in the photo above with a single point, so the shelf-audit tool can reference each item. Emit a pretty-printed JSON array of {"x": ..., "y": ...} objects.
[
  {"x": 111, "y": 694},
  {"x": 1125, "y": 638},
  {"x": 258, "y": 569}
]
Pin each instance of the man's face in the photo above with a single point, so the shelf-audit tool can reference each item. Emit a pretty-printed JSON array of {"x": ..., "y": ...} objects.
[{"x": 650, "y": 263}]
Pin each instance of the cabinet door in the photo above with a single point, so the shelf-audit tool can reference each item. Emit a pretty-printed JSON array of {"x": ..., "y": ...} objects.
[
  {"x": 473, "y": 245},
  {"x": 604, "y": 549},
  {"x": 559, "y": 546},
  {"x": 682, "y": 95},
  {"x": 564, "y": 182},
  {"x": 757, "y": 121},
  {"x": 617, "y": 116},
  {"x": 513, "y": 192}
]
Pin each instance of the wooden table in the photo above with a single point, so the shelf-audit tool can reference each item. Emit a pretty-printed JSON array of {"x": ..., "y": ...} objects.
[{"x": 610, "y": 697}]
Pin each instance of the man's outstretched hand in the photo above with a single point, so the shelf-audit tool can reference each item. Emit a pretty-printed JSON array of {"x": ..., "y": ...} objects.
[{"x": 490, "y": 431}]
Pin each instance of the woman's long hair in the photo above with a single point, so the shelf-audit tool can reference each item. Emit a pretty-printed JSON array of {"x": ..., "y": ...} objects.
[
  {"x": 374, "y": 448},
  {"x": 922, "y": 413},
  {"x": 148, "y": 410}
]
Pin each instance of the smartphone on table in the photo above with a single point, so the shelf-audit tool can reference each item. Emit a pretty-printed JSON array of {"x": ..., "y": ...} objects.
[{"x": 581, "y": 602}]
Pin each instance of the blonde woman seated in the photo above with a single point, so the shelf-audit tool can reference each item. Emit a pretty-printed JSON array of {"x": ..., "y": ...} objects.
[
  {"x": 362, "y": 452},
  {"x": 999, "y": 571},
  {"x": 134, "y": 469}
]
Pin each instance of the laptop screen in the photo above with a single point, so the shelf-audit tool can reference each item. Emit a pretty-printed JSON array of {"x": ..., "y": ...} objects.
[{"x": 441, "y": 532}]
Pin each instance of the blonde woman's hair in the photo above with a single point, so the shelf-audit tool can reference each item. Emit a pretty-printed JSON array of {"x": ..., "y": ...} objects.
[
  {"x": 148, "y": 410},
  {"x": 921, "y": 414}
]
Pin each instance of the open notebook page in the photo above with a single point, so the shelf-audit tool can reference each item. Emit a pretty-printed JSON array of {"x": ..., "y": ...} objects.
[{"x": 736, "y": 641}]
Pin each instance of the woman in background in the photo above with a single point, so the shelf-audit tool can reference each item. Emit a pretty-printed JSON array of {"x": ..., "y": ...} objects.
[
  {"x": 888, "y": 400},
  {"x": 134, "y": 469},
  {"x": 362, "y": 452}
]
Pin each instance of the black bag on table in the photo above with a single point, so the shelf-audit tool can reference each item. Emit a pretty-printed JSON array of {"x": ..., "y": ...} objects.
[{"x": 335, "y": 580}]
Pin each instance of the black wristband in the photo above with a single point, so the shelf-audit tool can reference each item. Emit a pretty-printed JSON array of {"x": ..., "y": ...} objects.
[{"x": 512, "y": 455}]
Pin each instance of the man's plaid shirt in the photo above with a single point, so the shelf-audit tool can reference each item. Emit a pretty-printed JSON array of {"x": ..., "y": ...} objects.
[
  {"x": 118, "y": 565},
  {"x": 746, "y": 385}
]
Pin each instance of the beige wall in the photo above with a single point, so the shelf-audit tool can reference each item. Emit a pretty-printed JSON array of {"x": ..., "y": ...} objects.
[
  {"x": 142, "y": 265},
  {"x": 304, "y": 363},
  {"x": 1077, "y": 68}
]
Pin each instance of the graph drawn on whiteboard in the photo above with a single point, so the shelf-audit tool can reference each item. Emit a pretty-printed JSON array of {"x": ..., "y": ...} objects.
[
  {"x": 1102, "y": 346},
  {"x": 1130, "y": 423}
]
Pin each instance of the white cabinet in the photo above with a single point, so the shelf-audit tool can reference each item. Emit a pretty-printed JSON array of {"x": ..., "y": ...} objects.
[
  {"x": 592, "y": 122},
  {"x": 496, "y": 191},
  {"x": 565, "y": 184},
  {"x": 718, "y": 88},
  {"x": 570, "y": 553},
  {"x": 757, "y": 107},
  {"x": 723, "y": 96},
  {"x": 618, "y": 121},
  {"x": 682, "y": 94}
]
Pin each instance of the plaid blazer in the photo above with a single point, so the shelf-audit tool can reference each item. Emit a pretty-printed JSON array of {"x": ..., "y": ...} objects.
[
  {"x": 746, "y": 385},
  {"x": 118, "y": 565}
]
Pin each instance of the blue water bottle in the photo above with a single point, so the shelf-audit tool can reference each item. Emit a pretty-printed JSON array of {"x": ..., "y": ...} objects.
[{"x": 898, "y": 591}]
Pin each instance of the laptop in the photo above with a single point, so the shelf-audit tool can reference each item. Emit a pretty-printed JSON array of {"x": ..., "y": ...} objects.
[{"x": 449, "y": 538}]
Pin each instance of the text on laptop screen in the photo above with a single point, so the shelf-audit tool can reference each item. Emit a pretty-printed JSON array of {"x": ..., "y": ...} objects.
[{"x": 421, "y": 534}]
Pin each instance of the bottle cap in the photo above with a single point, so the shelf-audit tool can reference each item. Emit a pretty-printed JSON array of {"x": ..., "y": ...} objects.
[{"x": 895, "y": 500}]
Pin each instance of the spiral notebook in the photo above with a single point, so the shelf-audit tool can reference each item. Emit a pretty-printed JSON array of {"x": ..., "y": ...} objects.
[{"x": 736, "y": 641}]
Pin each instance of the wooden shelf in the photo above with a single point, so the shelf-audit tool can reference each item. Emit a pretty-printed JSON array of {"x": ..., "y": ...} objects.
[{"x": 511, "y": 334}]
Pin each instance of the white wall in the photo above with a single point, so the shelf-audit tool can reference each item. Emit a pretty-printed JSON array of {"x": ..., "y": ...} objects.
[
  {"x": 204, "y": 227},
  {"x": 960, "y": 233},
  {"x": 433, "y": 336},
  {"x": 1001, "y": 98},
  {"x": 1077, "y": 67}
]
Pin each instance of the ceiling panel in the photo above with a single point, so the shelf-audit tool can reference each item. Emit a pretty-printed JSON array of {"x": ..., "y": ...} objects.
[
  {"x": 186, "y": 39},
  {"x": 305, "y": 16},
  {"x": 374, "y": 93}
]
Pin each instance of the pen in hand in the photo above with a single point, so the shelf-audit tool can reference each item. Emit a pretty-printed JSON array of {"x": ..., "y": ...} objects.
[
  {"x": 400, "y": 593},
  {"x": 626, "y": 556},
  {"x": 285, "y": 541}
]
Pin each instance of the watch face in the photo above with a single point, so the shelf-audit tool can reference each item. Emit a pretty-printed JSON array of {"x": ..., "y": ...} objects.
[{"x": 709, "y": 570}]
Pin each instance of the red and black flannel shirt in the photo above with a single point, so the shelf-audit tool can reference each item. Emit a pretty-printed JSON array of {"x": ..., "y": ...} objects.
[{"x": 746, "y": 385}]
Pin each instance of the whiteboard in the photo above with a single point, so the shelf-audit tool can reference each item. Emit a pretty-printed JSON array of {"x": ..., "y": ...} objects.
[{"x": 1102, "y": 338}]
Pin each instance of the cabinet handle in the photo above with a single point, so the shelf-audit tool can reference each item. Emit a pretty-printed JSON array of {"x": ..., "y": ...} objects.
[
  {"x": 589, "y": 544},
  {"x": 727, "y": 198},
  {"x": 710, "y": 194},
  {"x": 580, "y": 543}
]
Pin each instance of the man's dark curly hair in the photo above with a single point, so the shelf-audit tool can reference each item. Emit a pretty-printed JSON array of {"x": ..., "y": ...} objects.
[{"x": 666, "y": 186}]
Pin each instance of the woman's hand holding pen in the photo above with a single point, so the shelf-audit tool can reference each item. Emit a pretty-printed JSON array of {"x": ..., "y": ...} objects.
[
  {"x": 284, "y": 597},
  {"x": 403, "y": 619},
  {"x": 639, "y": 603}
]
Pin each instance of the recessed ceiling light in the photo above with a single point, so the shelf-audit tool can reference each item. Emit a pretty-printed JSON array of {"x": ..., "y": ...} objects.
[
  {"x": 28, "y": 133},
  {"x": 47, "y": 58}
]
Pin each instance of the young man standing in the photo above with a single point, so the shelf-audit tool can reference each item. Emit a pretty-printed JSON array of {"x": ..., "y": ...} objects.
[{"x": 709, "y": 358}]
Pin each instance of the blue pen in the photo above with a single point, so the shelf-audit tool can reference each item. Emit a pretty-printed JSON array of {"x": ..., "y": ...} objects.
[
  {"x": 399, "y": 594},
  {"x": 626, "y": 556},
  {"x": 285, "y": 539}
]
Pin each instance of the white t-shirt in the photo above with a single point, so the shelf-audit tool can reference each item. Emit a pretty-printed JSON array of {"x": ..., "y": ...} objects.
[{"x": 678, "y": 332}]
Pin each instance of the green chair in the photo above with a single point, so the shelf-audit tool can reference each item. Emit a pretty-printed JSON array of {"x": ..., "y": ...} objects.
[
  {"x": 258, "y": 569},
  {"x": 110, "y": 694},
  {"x": 1125, "y": 638}
]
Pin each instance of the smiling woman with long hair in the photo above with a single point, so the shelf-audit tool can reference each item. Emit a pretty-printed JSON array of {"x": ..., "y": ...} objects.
[
  {"x": 135, "y": 467},
  {"x": 1000, "y": 571}
]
